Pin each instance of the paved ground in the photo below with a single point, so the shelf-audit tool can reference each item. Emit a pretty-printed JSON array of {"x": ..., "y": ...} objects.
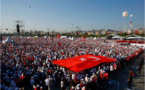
[
  {"x": 122, "y": 75},
  {"x": 139, "y": 81}
]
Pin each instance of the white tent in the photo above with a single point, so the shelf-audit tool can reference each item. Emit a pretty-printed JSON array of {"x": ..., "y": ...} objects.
[
  {"x": 102, "y": 38},
  {"x": 94, "y": 38},
  {"x": 45, "y": 37},
  {"x": 71, "y": 38},
  {"x": 8, "y": 40},
  {"x": 63, "y": 37},
  {"x": 35, "y": 37},
  {"x": 135, "y": 38},
  {"x": 117, "y": 37},
  {"x": 28, "y": 37}
]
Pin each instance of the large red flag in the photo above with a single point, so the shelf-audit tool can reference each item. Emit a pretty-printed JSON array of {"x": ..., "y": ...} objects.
[{"x": 83, "y": 62}]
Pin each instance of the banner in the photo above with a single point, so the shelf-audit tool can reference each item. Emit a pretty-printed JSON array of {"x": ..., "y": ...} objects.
[{"x": 83, "y": 62}]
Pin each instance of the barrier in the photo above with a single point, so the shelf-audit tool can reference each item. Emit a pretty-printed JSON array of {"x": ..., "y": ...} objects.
[{"x": 117, "y": 85}]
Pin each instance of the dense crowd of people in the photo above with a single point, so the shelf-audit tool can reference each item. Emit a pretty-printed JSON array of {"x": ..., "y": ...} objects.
[{"x": 27, "y": 62}]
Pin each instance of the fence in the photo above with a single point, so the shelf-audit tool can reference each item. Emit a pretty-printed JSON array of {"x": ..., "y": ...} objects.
[{"x": 116, "y": 85}]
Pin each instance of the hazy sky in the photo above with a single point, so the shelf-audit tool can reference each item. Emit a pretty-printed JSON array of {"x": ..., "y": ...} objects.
[{"x": 59, "y": 15}]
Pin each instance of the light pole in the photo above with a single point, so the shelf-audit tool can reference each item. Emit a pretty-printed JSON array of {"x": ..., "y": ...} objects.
[
  {"x": 1, "y": 34},
  {"x": 48, "y": 31},
  {"x": 131, "y": 25},
  {"x": 72, "y": 27},
  {"x": 116, "y": 32}
]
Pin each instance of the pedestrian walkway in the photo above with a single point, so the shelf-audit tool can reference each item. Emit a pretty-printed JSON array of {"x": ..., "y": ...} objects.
[
  {"x": 122, "y": 74},
  {"x": 139, "y": 81}
]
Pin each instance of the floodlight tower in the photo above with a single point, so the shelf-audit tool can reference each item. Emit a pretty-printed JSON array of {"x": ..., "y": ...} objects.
[{"x": 19, "y": 25}]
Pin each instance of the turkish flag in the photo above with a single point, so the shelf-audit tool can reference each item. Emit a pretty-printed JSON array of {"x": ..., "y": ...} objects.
[
  {"x": 22, "y": 77},
  {"x": 83, "y": 38},
  {"x": 105, "y": 75},
  {"x": 136, "y": 31},
  {"x": 58, "y": 36},
  {"x": 83, "y": 62},
  {"x": 107, "y": 32},
  {"x": 59, "y": 44}
]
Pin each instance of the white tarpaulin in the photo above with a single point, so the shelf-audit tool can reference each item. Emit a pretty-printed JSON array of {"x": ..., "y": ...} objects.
[
  {"x": 71, "y": 38},
  {"x": 94, "y": 38},
  {"x": 135, "y": 38},
  {"x": 117, "y": 37},
  {"x": 45, "y": 37},
  {"x": 63, "y": 37},
  {"x": 140, "y": 45}
]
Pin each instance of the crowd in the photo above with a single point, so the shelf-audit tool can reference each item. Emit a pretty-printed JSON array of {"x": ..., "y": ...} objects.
[{"x": 27, "y": 63}]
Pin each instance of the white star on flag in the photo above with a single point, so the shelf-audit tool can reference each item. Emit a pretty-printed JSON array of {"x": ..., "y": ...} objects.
[
  {"x": 95, "y": 58},
  {"x": 82, "y": 59}
]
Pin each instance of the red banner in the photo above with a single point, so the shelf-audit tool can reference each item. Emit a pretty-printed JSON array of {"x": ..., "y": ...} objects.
[
  {"x": 134, "y": 54},
  {"x": 129, "y": 41}
]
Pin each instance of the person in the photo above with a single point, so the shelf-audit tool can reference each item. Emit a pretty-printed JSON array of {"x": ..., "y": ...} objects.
[
  {"x": 130, "y": 79},
  {"x": 139, "y": 69},
  {"x": 41, "y": 88},
  {"x": 32, "y": 82},
  {"x": 129, "y": 88},
  {"x": 47, "y": 83},
  {"x": 72, "y": 88},
  {"x": 140, "y": 64},
  {"x": 62, "y": 84},
  {"x": 38, "y": 87}
]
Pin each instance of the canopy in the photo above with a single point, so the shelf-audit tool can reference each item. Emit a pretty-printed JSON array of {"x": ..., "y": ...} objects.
[
  {"x": 117, "y": 37},
  {"x": 8, "y": 40},
  {"x": 35, "y": 37},
  {"x": 135, "y": 38},
  {"x": 71, "y": 38},
  {"x": 45, "y": 37},
  {"x": 95, "y": 38},
  {"x": 83, "y": 62},
  {"x": 63, "y": 37}
]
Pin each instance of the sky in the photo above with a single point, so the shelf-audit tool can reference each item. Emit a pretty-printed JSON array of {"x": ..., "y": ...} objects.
[{"x": 66, "y": 15}]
